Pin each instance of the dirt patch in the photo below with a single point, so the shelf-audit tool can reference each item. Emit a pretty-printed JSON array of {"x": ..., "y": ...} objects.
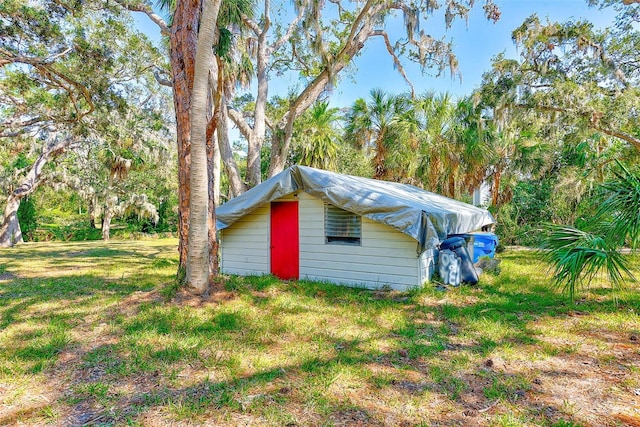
[
  {"x": 353, "y": 418},
  {"x": 594, "y": 384},
  {"x": 184, "y": 298},
  {"x": 131, "y": 304}
]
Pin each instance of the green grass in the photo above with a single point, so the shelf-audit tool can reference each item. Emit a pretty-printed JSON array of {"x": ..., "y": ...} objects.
[{"x": 90, "y": 334}]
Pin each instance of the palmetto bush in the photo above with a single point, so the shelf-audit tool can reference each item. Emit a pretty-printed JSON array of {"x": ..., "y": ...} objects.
[
  {"x": 578, "y": 256},
  {"x": 619, "y": 212}
]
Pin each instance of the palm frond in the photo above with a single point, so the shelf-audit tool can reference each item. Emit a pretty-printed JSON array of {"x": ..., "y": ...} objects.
[
  {"x": 577, "y": 257},
  {"x": 619, "y": 211}
]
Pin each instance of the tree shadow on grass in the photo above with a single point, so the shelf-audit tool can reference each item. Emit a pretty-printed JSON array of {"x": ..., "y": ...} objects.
[
  {"x": 310, "y": 393},
  {"x": 272, "y": 392},
  {"x": 362, "y": 357}
]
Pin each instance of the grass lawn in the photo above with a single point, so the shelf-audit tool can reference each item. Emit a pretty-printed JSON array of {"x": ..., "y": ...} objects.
[{"x": 88, "y": 337}]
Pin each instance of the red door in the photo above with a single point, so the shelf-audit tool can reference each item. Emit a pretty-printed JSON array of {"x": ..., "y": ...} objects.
[{"x": 285, "y": 257}]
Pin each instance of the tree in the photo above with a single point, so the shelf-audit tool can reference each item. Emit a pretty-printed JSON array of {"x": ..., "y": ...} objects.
[
  {"x": 318, "y": 44},
  {"x": 316, "y": 137},
  {"x": 198, "y": 274},
  {"x": 561, "y": 112},
  {"x": 10, "y": 232},
  {"x": 574, "y": 77},
  {"x": 474, "y": 140},
  {"x": 585, "y": 81},
  {"x": 628, "y": 11},
  {"x": 65, "y": 70},
  {"x": 377, "y": 126},
  {"x": 183, "y": 36},
  {"x": 439, "y": 156},
  {"x": 578, "y": 256}
]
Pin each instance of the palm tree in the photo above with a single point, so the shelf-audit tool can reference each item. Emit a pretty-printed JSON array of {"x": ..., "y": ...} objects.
[
  {"x": 381, "y": 127},
  {"x": 438, "y": 156},
  {"x": 197, "y": 271},
  {"x": 317, "y": 135},
  {"x": 474, "y": 140},
  {"x": 185, "y": 17}
]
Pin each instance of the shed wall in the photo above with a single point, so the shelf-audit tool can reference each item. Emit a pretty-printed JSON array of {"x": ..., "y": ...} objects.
[
  {"x": 245, "y": 245},
  {"x": 385, "y": 257}
]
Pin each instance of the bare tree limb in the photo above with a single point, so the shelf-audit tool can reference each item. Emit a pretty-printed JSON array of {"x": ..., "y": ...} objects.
[
  {"x": 238, "y": 119},
  {"x": 146, "y": 8},
  {"x": 619, "y": 134},
  {"x": 23, "y": 127},
  {"x": 33, "y": 177},
  {"x": 251, "y": 24},
  {"x": 162, "y": 80},
  {"x": 287, "y": 36},
  {"x": 396, "y": 60}
]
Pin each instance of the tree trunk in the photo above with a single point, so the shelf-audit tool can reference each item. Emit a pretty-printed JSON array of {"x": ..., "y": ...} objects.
[
  {"x": 213, "y": 171},
  {"x": 198, "y": 272},
  {"x": 213, "y": 118},
  {"x": 107, "y": 215},
  {"x": 495, "y": 190},
  {"x": 284, "y": 129},
  {"x": 256, "y": 139},
  {"x": 368, "y": 17},
  {"x": 278, "y": 152},
  {"x": 214, "y": 200},
  {"x": 10, "y": 233},
  {"x": 230, "y": 166},
  {"x": 453, "y": 175},
  {"x": 183, "y": 39},
  {"x": 91, "y": 210}
]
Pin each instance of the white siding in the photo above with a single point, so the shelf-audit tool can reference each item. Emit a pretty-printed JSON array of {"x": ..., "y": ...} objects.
[
  {"x": 385, "y": 257},
  {"x": 245, "y": 245}
]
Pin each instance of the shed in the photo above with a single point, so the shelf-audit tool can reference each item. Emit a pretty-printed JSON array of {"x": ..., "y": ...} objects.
[{"x": 307, "y": 223}]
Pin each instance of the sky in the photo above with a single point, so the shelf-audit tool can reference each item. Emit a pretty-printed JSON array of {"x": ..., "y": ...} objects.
[{"x": 475, "y": 42}]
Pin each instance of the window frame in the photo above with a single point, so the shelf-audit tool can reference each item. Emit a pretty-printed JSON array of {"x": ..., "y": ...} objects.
[{"x": 346, "y": 220}]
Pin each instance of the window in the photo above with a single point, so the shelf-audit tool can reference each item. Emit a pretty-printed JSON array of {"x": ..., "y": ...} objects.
[{"x": 341, "y": 227}]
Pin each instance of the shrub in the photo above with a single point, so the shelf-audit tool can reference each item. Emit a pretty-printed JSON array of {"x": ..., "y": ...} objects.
[{"x": 27, "y": 217}]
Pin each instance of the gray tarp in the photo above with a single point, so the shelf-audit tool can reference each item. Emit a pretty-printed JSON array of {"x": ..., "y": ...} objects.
[{"x": 425, "y": 216}]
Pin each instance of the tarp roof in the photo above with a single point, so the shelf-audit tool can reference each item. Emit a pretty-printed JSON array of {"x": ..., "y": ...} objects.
[{"x": 426, "y": 217}]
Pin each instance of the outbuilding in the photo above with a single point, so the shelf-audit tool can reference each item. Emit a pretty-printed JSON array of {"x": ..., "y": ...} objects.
[{"x": 306, "y": 223}]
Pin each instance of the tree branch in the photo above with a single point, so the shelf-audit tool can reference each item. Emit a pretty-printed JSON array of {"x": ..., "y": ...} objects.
[
  {"x": 618, "y": 74},
  {"x": 590, "y": 117},
  {"x": 5, "y": 128},
  {"x": 287, "y": 36},
  {"x": 53, "y": 75},
  {"x": 360, "y": 32},
  {"x": 162, "y": 80},
  {"x": 396, "y": 60},
  {"x": 32, "y": 179},
  {"x": 146, "y": 8},
  {"x": 251, "y": 24},
  {"x": 619, "y": 134},
  {"x": 238, "y": 119}
]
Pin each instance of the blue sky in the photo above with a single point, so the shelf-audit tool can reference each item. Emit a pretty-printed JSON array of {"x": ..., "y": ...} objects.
[{"x": 475, "y": 43}]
